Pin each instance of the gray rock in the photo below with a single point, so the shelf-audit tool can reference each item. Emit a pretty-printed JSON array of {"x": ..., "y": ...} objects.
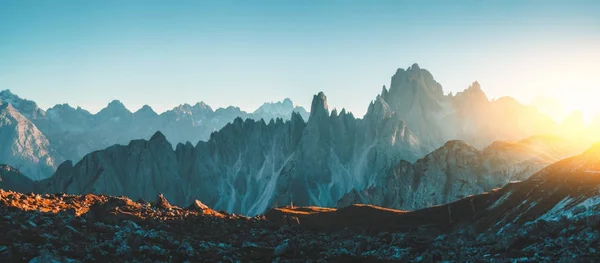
[{"x": 282, "y": 248}]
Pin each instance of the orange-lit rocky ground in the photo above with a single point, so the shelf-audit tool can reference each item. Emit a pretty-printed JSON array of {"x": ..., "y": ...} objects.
[{"x": 96, "y": 228}]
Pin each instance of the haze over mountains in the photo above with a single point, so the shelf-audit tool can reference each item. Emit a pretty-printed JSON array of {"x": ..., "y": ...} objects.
[
  {"x": 415, "y": 147},
  {"x": 36, "y": 141}
]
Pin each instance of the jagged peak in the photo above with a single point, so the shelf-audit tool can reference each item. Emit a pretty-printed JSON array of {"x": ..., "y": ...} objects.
[
  {"x": 473, "y": 93},
  {"x": 158, "y": 136},
  {"x": 183, "y": 107},
  {"x": 230, "y": 109},
  {"x": 334, "y": 112},
  {"x": 114, "y": 107},
  {"x": 296, "y": 117},
  {"x": 279, "y": 121},
  {"x": 238, "y": 121},
  {"x": 6, "y": 92},
  {"x": 146, "y": 110},
  {"x": 414, "y": 67},
  {"x": 379, "y": 108},
  {"x": 475, "y": 87},
  {"x": 181, "y": 145},
  {"x": 413, "y": 84},
  {"x": 384, "y": 92},
  {"x": 202, "y": 106},
  {"x": 458, "y": 144},
  {"x": 146, "y": 107},
  {"x": 288, "y": 101},
  {"x": 286, "y": 104},
  {"x": 62, "y": 106},
  {"x": 66, "y": 108},
  {"x": 7, "y": 96},
  {"x": 116, "y": 103},
  {"x": 319, "y": 105}
]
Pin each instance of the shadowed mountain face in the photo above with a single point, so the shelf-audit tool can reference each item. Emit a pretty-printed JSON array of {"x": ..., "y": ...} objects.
[
  {"x": 457, "y": 169},
  {"x": 11, "y": 178},
  {"x": 23, "y": 145},
  {"x": 66, "y": 133}
]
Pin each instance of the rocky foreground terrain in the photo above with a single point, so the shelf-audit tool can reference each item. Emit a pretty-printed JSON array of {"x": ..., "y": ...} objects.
[{"x": 554, "y": 216}]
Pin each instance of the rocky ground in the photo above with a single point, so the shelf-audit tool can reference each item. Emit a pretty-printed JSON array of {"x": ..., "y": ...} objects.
[{"x": 96, "y": 228}]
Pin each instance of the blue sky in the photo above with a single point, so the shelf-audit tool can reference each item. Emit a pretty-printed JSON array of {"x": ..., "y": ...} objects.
[{"x": 244, "y": 53}]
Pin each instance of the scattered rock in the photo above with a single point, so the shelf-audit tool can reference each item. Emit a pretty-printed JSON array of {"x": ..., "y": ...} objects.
[
  {"x": 125, "y": 231},
  {"x": 161, "y": 202},
  {"x": 198, "y": 206},
  {"x": 282, "y": 248}
]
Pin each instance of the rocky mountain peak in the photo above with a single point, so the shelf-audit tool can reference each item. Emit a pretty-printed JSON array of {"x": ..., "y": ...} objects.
[
  {"x": 287, "y": 103},
  {"x": 201, "y": 106},
  {"x": 64, "y": 106},
  {"x": 458, "y": 144},
  {"x": 26, "y": 107},
  {"x": 472, "y": 95},
  {"x": 114, "y": 109},
  {"x": 414, "y": 67},
  {"x": 158, "y": 136},
  {"x": 384, "y": 92},
  {"x": 7, "y": 96},
  {"x": 146, "y": 111},
  {"x": 116, "y": 104},
  {"x": 414, "y": 87},
  {"x": 280, "y": 109},
  {"x": 296, "y": 118},
  {"x": 319, "y": 105}
]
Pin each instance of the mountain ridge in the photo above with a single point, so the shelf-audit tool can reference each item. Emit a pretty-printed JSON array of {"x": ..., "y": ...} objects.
[{"x": 74, "y": 132}]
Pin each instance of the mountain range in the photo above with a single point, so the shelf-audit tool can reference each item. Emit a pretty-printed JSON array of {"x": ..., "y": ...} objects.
[
  {"x": 415, "y": 147},
  {"x": 36, "y": 141}
]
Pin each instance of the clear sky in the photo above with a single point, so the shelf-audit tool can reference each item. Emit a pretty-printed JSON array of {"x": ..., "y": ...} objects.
[{"x": 243, "y": 53}]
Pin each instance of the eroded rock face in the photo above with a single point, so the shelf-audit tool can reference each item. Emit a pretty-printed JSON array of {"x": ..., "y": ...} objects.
[
  {"x": 23, "y": 145},
  {"x": 457, "y": 170}
]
